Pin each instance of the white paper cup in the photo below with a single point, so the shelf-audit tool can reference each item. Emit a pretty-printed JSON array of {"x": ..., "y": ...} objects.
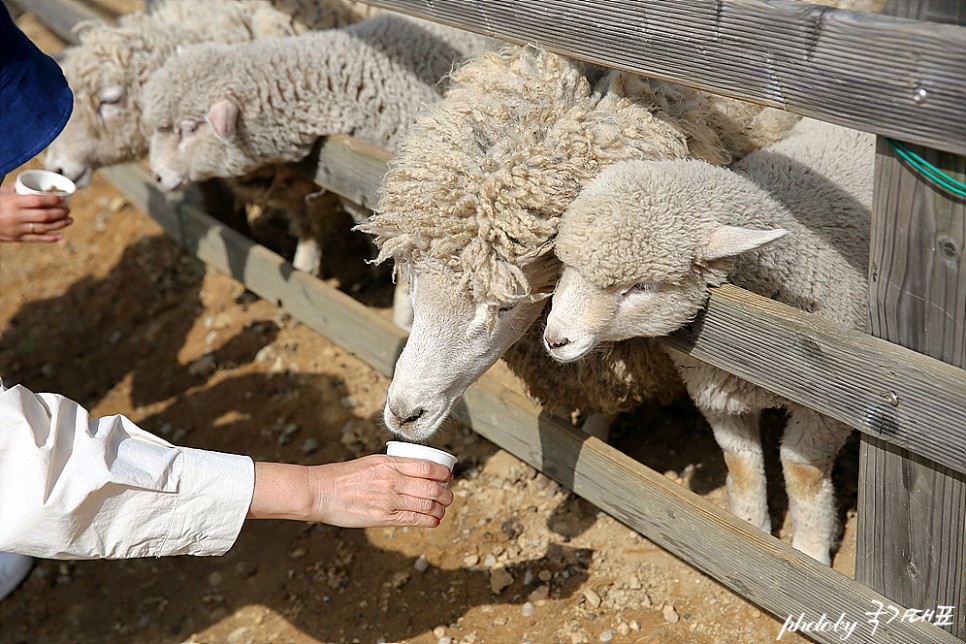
[
  {"x": 415, "y": 450},
  {"x": 44, "y": 182}
]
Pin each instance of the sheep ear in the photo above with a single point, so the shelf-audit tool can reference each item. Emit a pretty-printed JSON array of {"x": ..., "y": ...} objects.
[
  {"x": 727, "y": 241},
  {"x": 223, "y": 117}
]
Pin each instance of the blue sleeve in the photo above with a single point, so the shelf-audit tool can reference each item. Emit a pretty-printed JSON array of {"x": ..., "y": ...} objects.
[{"x": 34, "y": 94}]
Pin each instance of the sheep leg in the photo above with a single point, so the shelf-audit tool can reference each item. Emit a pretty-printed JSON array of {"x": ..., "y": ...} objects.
[
  {"x": 739, "y": 437},
  {"x": 308, "y": 256},
  {"x": 809, "y": 447}
]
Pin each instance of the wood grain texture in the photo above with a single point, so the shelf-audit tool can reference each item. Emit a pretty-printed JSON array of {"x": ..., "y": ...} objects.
[
  {"x": 911, "y": 533},
  {"x": 858, "y": 70},
  {"x": 347, "y": 166},
  {"x": 752, "y": 563},
  {"x": 884, "y": 390},
  {"x": 60, "y": 16}
]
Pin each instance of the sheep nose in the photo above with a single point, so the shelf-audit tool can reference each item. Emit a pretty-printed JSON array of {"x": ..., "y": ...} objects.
[
  {"x": 407, "y": 417},
  {"x": 157, "y": 178},
  {"x": 556, "y": 344}
]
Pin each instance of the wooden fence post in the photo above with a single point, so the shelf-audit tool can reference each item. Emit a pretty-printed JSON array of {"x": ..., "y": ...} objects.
[{"x": 911, "y": 540}]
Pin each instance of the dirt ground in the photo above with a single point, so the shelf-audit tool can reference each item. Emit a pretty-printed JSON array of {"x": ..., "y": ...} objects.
[{"x": 117, "y": 317}]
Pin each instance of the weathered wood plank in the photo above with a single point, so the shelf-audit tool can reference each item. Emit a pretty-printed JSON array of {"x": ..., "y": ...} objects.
[
  {"x": 884, "y": 390},
  {"x": 750, "y": 562},
  {"x": 347, "y": 166},
  {"x": 912, "y": 511},
  {"x": 263, "y": 272},
  {"x": 911, "y": 534},
  {"x": 859, "y": 70},
  {"x": 60, "y": 16}
]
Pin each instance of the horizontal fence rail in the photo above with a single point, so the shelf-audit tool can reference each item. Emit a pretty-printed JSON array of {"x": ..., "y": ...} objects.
[
  {"x": 750, "y": 562},
  {"x": 901, "y": 78}
]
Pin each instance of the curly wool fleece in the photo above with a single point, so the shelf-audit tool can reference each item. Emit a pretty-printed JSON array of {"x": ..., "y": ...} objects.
[
  {"x": 479, "y": 184},
  {"x": 368, "y": 79}
]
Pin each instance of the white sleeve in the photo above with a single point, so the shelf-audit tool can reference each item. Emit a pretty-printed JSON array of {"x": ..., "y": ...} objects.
[{"x": 72, "y": 487}]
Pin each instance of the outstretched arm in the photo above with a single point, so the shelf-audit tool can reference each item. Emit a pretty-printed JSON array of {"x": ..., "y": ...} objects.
[
  {"x": 373, "y": 491},
  {"x": 75, "y": 487}
]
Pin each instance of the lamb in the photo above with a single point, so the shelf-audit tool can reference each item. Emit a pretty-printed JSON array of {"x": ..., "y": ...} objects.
[
  {"x": 225, "y": 110},
  {"x": 107, "y": 69},
  {"x": 469, "y": 210},
  {"x": 645, "y": 240}
]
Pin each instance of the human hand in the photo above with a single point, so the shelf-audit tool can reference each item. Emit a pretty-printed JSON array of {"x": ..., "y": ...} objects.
[
  {"x": 369, "y": 492},
  {"x": 31, "y": 218}
]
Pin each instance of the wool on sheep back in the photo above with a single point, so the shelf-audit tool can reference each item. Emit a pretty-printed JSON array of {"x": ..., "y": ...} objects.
[
  {"x": 222, "y": 111},
  {"x": 109, "y": 66}
]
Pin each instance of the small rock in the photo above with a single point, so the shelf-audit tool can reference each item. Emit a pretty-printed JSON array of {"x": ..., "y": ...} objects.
[
  {"x": 527, "y": 609},
  {"x": 545, "y": 575},
  {"x": 298, "y": 553},
  {"x": 592, "y": 598},
  {"x": 310, "y": 445},
  {"x": 499, "y": 580},
  {"x": 348, "y": 402},
  {"x": 439, "y": 632},
  {"x": 244, "y": 570},
  {"x": 634, "y": 583},
  {"x": 421, "y": 563},
  {"x": 670, "y": 615},
  {"x": 606, "y": 636},
  {"x": 215, "y": 578},
  {"x": 540, "y": 593},
  {"x": 471, "y": 560},
  {"x": 490, "y": 561},
  {"x": 287, "y": 433},
  {"x": 202, "y": 366}
]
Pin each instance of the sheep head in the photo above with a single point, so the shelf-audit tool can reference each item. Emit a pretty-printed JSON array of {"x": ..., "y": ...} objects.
[
  {"x": 106, "y": 71},
  {"x": 641, "y": 245},
  {"x": 454, "y": 340}
]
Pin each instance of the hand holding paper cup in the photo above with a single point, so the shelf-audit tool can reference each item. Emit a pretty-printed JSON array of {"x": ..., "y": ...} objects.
[
  {"x": 44, "y": 182},
  {"x": 425, "y": 452}
]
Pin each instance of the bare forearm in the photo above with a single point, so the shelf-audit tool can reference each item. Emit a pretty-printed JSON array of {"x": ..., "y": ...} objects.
[
  {"x": 282, "y": 491},
  {"x": 368, "y": 492}
]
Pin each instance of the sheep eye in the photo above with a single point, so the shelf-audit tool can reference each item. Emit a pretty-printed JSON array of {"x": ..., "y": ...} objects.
[
  {"x": 187, "y": 128},
  {"x": 506, "y": 308},
  {"x": 643, "y": 287},
  {"x": 110, "y": 100}
]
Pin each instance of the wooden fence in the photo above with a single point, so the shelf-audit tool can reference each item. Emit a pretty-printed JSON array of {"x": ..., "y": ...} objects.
[{"x": 902, "y": 385}]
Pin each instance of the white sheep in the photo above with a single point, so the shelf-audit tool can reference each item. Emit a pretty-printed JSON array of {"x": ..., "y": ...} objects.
[
  {"x": 645, "y": 241},
  {"x": 226, "y": 110},
  {"x": 109, "y": 66},
  {"x": 470, "y": 206}
]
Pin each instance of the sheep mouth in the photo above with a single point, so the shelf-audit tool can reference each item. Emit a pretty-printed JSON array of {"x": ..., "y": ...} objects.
[
  {"x": 570, "y": 350},
  {"x": 418, "y": 425}
]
